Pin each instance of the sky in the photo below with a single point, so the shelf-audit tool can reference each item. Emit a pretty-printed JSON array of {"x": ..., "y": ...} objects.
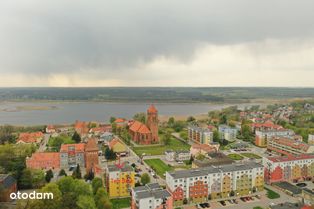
[{"x": 75, "y": 43}]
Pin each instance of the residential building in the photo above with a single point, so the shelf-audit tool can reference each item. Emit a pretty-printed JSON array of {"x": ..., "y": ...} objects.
[
  {"x": 28, "y": 138},
  {"x": 204, "y": 149},
  {"x": 289, "y": 146},
  {"x": 288, "y": 168},
  {"x": 106, "y": 137},
  {"x": 121, "y": 122},
  {"x": 213, "y": 182},
  {"x": 146, "y": 133},
  {"x": 179, "y": 155},
  {"x": 119, "y": 180},
  {"x": 200, "y": 135},
  {"x": 50, "y": 129},
  {"x": 98, "y": 131},
  {"x": 118, "y": 147},
  {"x": 267, "y": 126},
  {"x": 151, "y": 196},
  {"x": 43, "y": 160},
  {"x": 8, "y": 185},
  {"x": 262, "y": 136},
  {"x": 227, "y": 133},
  {"x": 72, "y": 155}
]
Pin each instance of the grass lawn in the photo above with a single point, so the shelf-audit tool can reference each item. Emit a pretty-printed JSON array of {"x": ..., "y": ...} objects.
[
  {"x": 272, "y": 194},
  {"x": 257, "y": 207},
  {"x": 121, "y": 203},
  {"x": 251, "y": 155},
  {"x": 158, "y": 166},
  {"x": 174, "y": 144},
  {"x": 235, "y": 156}
]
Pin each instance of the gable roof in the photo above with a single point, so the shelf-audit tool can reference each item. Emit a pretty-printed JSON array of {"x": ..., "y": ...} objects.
[
  {"x": 91, "y": 145},
  {"x": 7, "y": 180},
  {"x": 137, "y": 126},
  {"x": 152, "y": 109},
  {"x": 78, "y": 147}
]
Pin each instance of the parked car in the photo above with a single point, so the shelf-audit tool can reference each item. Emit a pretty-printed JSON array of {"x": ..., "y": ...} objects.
[{"x": 301, "y": 184}]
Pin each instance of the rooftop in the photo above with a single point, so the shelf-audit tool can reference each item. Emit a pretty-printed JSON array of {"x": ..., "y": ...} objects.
[{"x": 122, "y": 168}]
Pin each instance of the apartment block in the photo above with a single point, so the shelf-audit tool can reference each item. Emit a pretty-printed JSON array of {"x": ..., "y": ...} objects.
[
  {"x": 200, "y": 135},
  {"x": 288, "y": 168},
  {"x": 289, "y": 146},
  {"x": 201, "y": 184},
  {"x": 227, "y": 133},
  {"x": 261, "y": 137},
  {"x": 151, "y": 196}
]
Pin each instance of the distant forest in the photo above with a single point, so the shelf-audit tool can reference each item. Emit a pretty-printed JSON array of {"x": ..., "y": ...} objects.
[{"x": 153, "y": 94}]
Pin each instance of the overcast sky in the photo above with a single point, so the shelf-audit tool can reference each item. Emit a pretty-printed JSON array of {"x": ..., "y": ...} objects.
[{"x": 157, "y": 43}]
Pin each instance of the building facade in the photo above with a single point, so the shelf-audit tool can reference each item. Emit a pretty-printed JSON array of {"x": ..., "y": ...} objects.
[
  {"x": 200, "y": 135},
  {"x": 120, "y": 179},
  {"x": 288, "y": 146},
  {"x": 8, "y": 185},
  {"x": 288, "y": 168},
  {"x": 146, "y": 133},
  {"x": 227, "y": 133},
  {"x": 201, "y": 184},
  {"x": 151, "y": 196},
  {"x": 91, "y": 155},
  {"x": 261, "y": 137},
  {"x": 43, "y": 160}
]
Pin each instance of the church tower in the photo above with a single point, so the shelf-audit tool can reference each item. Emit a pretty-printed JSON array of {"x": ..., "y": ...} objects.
[
  {"x": 91, "y": 155},
  {"x": 152, "y": 122}
]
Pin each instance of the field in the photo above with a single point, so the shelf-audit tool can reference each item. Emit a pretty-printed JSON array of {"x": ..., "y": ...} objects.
[
  {"x": 251, "y": 155},
  {"x": 235, "y": 156},
  {"x": 158, "y": 166},
  {"x": 121, "y": 203},
  {"x": 174, "y": 144}
]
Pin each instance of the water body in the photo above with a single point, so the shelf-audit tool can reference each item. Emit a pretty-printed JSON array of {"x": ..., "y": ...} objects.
[{"x": 38, "y": 113}]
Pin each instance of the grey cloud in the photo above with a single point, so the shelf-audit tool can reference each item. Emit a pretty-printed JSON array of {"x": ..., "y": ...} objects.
[{"x": 39, "y": 37}]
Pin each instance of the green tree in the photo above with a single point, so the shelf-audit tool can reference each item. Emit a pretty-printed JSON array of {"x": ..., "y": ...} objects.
[
  {"x": 49, "y": 175},
  {"x": 114, "y": 128},
  {"x": 26, "y": 179},
  {"x": 6, "y": 134},
  {"x": 223, "y": 119},
  {"x": 112, "y": 119},
  {"x": 141, "y": 117},
  {"x": 102, "y": 200},
  {"x": 216, "y": 137},
  {"x": 145, "y": 179},
  {"x": 62, "y": 173},
  {"x": 76, "y": 137},
  {"x": 110, "y": 154},
  {"x": 190, "y": 119},
  {"x": 86, "y": 202},
  {"x": 96, "y": 184},
  {"x": 171, "y": 122},
  {"x": 166, "y": 138},
  {"x": 77, "y": 172},
  {"x": 89, "y": 176}
]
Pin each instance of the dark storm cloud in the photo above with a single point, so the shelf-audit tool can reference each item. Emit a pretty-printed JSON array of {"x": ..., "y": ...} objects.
[{"x": 39, "y": 37}]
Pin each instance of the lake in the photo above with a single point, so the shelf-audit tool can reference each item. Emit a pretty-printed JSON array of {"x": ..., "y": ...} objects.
[{"x": 40, "y": 113}]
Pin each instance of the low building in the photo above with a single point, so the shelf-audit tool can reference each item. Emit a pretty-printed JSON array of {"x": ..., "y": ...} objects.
[
  {"x": 182, "y": 155},
  {"x": 214, "y": 182},
  {"x": 203, "y": 149},
  {"x": 30, "y": 138},
  {"x": 106, "y": 137},
  {"x": 288, "y": 146},
  {"x": 120, "y": 179},
  {"x": 151, "y": 196},
  {"x": 8, "y": 185},
  {"x": 200, "y": 135},
  {"x": 212, "y": 159},
  {"x": 267, "y": 126},
  {"x": 43, "y": 160},
  {"x": 311, "y": 139},
  {"x": 118, "y": 147},
  {"x": 261, "y": 137},
  {"x": 50, "y": 129},
  {"x": 170, "y": 155},
  {"x": 227, "y": 133},
  {"x": 98, "y": 131},
  {"x": 288, "y": 168}
]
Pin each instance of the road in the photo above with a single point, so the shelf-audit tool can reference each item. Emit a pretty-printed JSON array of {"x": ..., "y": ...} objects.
[{"x": 43, "y": 144}]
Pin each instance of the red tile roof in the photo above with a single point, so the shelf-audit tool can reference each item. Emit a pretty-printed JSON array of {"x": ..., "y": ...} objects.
[
  {"x": 91, "y": 145},
  {"x": 30, "y": 137},
  {"x": 119, "y": 120},
  {"x": 113, "y": 142},
  {"x": 137, "y": 126},
  {"x": 204, "y": 147},
  {"x": 78, "y": 147},
  {"x": 290, "y": 158}
]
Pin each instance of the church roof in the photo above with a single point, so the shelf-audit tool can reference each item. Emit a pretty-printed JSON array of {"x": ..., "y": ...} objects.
[
  {"x": 139, "y": 127},
  {"x": 152, "y": 109}
]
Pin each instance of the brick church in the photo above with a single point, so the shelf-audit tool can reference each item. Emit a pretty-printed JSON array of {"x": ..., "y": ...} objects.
[{"x": 146, "y": 133}]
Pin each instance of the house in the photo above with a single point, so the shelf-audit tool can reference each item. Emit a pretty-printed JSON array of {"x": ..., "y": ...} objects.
[
  {"x": 146, "y": 133},
  {"x": 227, "y": 133},
  {"x": 43, "y": 160},
  {"x": 81, "y": 128},
  {"x": 8, "y": 185},
  {"x": 98, "y": 131},
  {"x": 311, "y": 139},
  {"x": 151, "y": 196},
  {"x": 106, "y": 137},
  {"x": 121, "y": 122},
  {"x": 204, "y": 149},
  {"x": 118, "y": 147},
  {"x": 170, "y": 155},
  {"x": 28, "y": 138},
  {"x": 182, "y": 155},
  {"x": 50, "y": 129},
  {"x": 120, "y": 179}
]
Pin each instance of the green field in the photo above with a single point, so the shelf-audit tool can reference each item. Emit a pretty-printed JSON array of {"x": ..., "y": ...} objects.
[
  {"x": 120, "y": 203},
  {"x": 158, "y": 166},
  {"x": 272, "y": 194},
  {"x": 174, "y": 144},
  {"x": 251, "y": 155},
  {"x": 235, "y": 156}
]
